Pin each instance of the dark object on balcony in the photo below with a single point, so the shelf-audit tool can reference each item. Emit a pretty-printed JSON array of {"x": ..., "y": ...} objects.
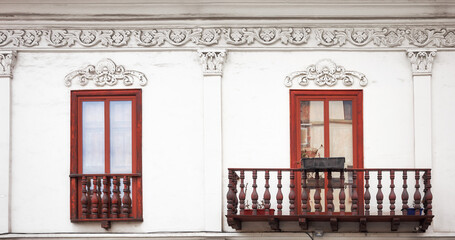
[
  {"x": 323, "y": 163},
  {"x": 412, "y": 211}
]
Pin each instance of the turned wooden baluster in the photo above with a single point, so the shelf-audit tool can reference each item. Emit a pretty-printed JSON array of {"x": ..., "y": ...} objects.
[
  {"x": 367, "y": 195},
  {"x": 242, "y": 194},
  {"x": 291, "y": 194},
  {"x": 392, "y": 195},
  {"x": 105, "y": 199},
  {"x": 115, "y": 201},
  {"x": 267, "y": 195},
  {"x": 95, "y": 198},
  {"x": 428, "y": 194},
  {"x": 279, "y": 194},
  {"x": 342, "y": 194},
  {"x": 230, "y": 195},
  {"x": 236, "y": 200},
  {"x": 329, "y": 193},
  {"x": 84, "y": 198},
  {"x": 404, "y": 194},
  {"x": 126, "y": 200},
  {"x": 379, "y": 195},
  {"x": 254, "y": 194},
  {"x": 417, "y": 195},
  {"x": 317, "y": 195},
  {"x": 355, "y": 195},
  {"x": 304, "y": 195}
]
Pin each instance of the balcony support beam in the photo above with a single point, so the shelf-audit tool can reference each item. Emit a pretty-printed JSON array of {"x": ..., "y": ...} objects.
[
  {"x": 7, "y": 61},
  {"x": 422, "y": 64},
  {"x": 303, "y": 223},
  {"x": 212, "y": 61},
  {"x": 394, "y": 224},
  {"x": 363, "y": 225},
  {"x": 334, "y": 224},
  {"x": 274, "y": 224}
]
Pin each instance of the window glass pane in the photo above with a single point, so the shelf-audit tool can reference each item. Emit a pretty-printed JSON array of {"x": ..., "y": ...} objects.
[
  {"x": 312, "y": 128},
  {"x": 93, "y": 137},
  {"x": 121, "y": 137},
  {"x": 340, "y": 115}
]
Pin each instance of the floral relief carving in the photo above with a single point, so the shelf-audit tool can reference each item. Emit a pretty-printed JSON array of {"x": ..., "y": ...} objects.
[
  {"x": 384, "y": 37},
  {"x": 7, "y": 61},
  {"x": 87, "y": 38},
  {"x": 212, "y": 61},
  {"x": 266, "y": 36},
  {"x": 177, "y": 37},
  {"x": 325, "y": 73},
  {"x": 105, "y": 72},
  {"x": 421, "y": 61}
]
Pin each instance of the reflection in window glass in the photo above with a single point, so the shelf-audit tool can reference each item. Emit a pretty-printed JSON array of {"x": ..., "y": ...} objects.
[
  {"x": 312, "y": 128},
  {"x": 121, "y": 136},
  {"x": 93, "y": 137}
]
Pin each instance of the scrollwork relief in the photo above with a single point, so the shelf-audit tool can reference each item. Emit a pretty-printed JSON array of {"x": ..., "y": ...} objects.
[
  {"x": 382, "y": 37},
  {"x": 325, "y": 73},
  {"x": 105, "y": 72}
]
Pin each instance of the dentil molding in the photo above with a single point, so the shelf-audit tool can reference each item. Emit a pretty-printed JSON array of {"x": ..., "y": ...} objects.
[
  {"x": 379, "y": 37},
  {"x": 7, "y": 61},
  {"x": 325, "y": 73},
  {"x": 212, "y": 61},
  {"x": 105, "y": 72},
  {"x": 421, "y": 60}
]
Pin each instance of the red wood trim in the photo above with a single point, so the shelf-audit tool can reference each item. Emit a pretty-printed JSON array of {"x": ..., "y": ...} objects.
[{"x": 326, "y": 128}]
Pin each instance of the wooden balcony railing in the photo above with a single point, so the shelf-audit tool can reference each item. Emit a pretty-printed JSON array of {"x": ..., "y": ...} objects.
[
  {"x": 104, "y": 197},
  {"x": 349, "y": 195}
]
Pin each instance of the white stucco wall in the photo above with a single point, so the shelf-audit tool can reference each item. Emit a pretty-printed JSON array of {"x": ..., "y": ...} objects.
[
  {"x": 255, "y": 127},
  {"x": 172, "y": 140}
]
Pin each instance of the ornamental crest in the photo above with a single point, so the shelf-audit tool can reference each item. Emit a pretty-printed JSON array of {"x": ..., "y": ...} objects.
[
  {"x": 105, "y": 72},
  {"x": 325, "y": 72}
]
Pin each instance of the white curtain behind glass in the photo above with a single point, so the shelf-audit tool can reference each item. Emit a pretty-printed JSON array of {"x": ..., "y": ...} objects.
[
  {"x": 93, "y": 137},
  {"x": 121, "y": 136}
]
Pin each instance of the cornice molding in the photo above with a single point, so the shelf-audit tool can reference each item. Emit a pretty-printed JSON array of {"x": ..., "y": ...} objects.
[
  {"x": 105, "y": 72},
  {"x": 248, "y": 37},
  {"x": 421, "y": 61},
  {"x": 7, "y": 62},
  {"x": 325, "y": 73},
  {"x": 212, "y": 61}
]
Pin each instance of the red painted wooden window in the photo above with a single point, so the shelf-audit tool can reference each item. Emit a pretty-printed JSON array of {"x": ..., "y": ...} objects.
[
  {"x": 106, "y": 167},
  {"x": 327, "y": 123}
]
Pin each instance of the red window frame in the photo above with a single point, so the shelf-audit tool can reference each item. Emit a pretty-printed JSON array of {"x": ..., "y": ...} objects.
[
  {"x": 356, "y": 96},
  {"x": 77, "y": 97}
]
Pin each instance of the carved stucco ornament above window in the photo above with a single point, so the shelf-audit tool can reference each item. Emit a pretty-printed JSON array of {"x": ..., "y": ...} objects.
[
  {"x": 105, "y": 72},
  {"x": 325, "y": 72}
]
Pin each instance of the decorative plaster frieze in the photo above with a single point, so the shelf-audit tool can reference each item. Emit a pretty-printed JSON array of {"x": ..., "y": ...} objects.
[
  {"x": 421, "y": 60},
  {"x": 325, "y": 72},
  {"x": 381, "y": 37},
  {"x": 7, "y": 61},
  {"x": 212, "y": 61},
  {"x": 105, "y": 72}
]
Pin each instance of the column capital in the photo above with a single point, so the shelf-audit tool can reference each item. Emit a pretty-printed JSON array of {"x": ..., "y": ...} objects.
[
  {"x": 212, "y": 61},
  {"x": 7, "y": 61},
  {"x": 421, "y": 61}
]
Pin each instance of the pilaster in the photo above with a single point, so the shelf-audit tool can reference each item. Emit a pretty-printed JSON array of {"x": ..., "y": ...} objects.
[
  {"x": 212, "y": 61},
  {"x": 7, "y": 61},
  {"x": 422, "y": 63}
]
